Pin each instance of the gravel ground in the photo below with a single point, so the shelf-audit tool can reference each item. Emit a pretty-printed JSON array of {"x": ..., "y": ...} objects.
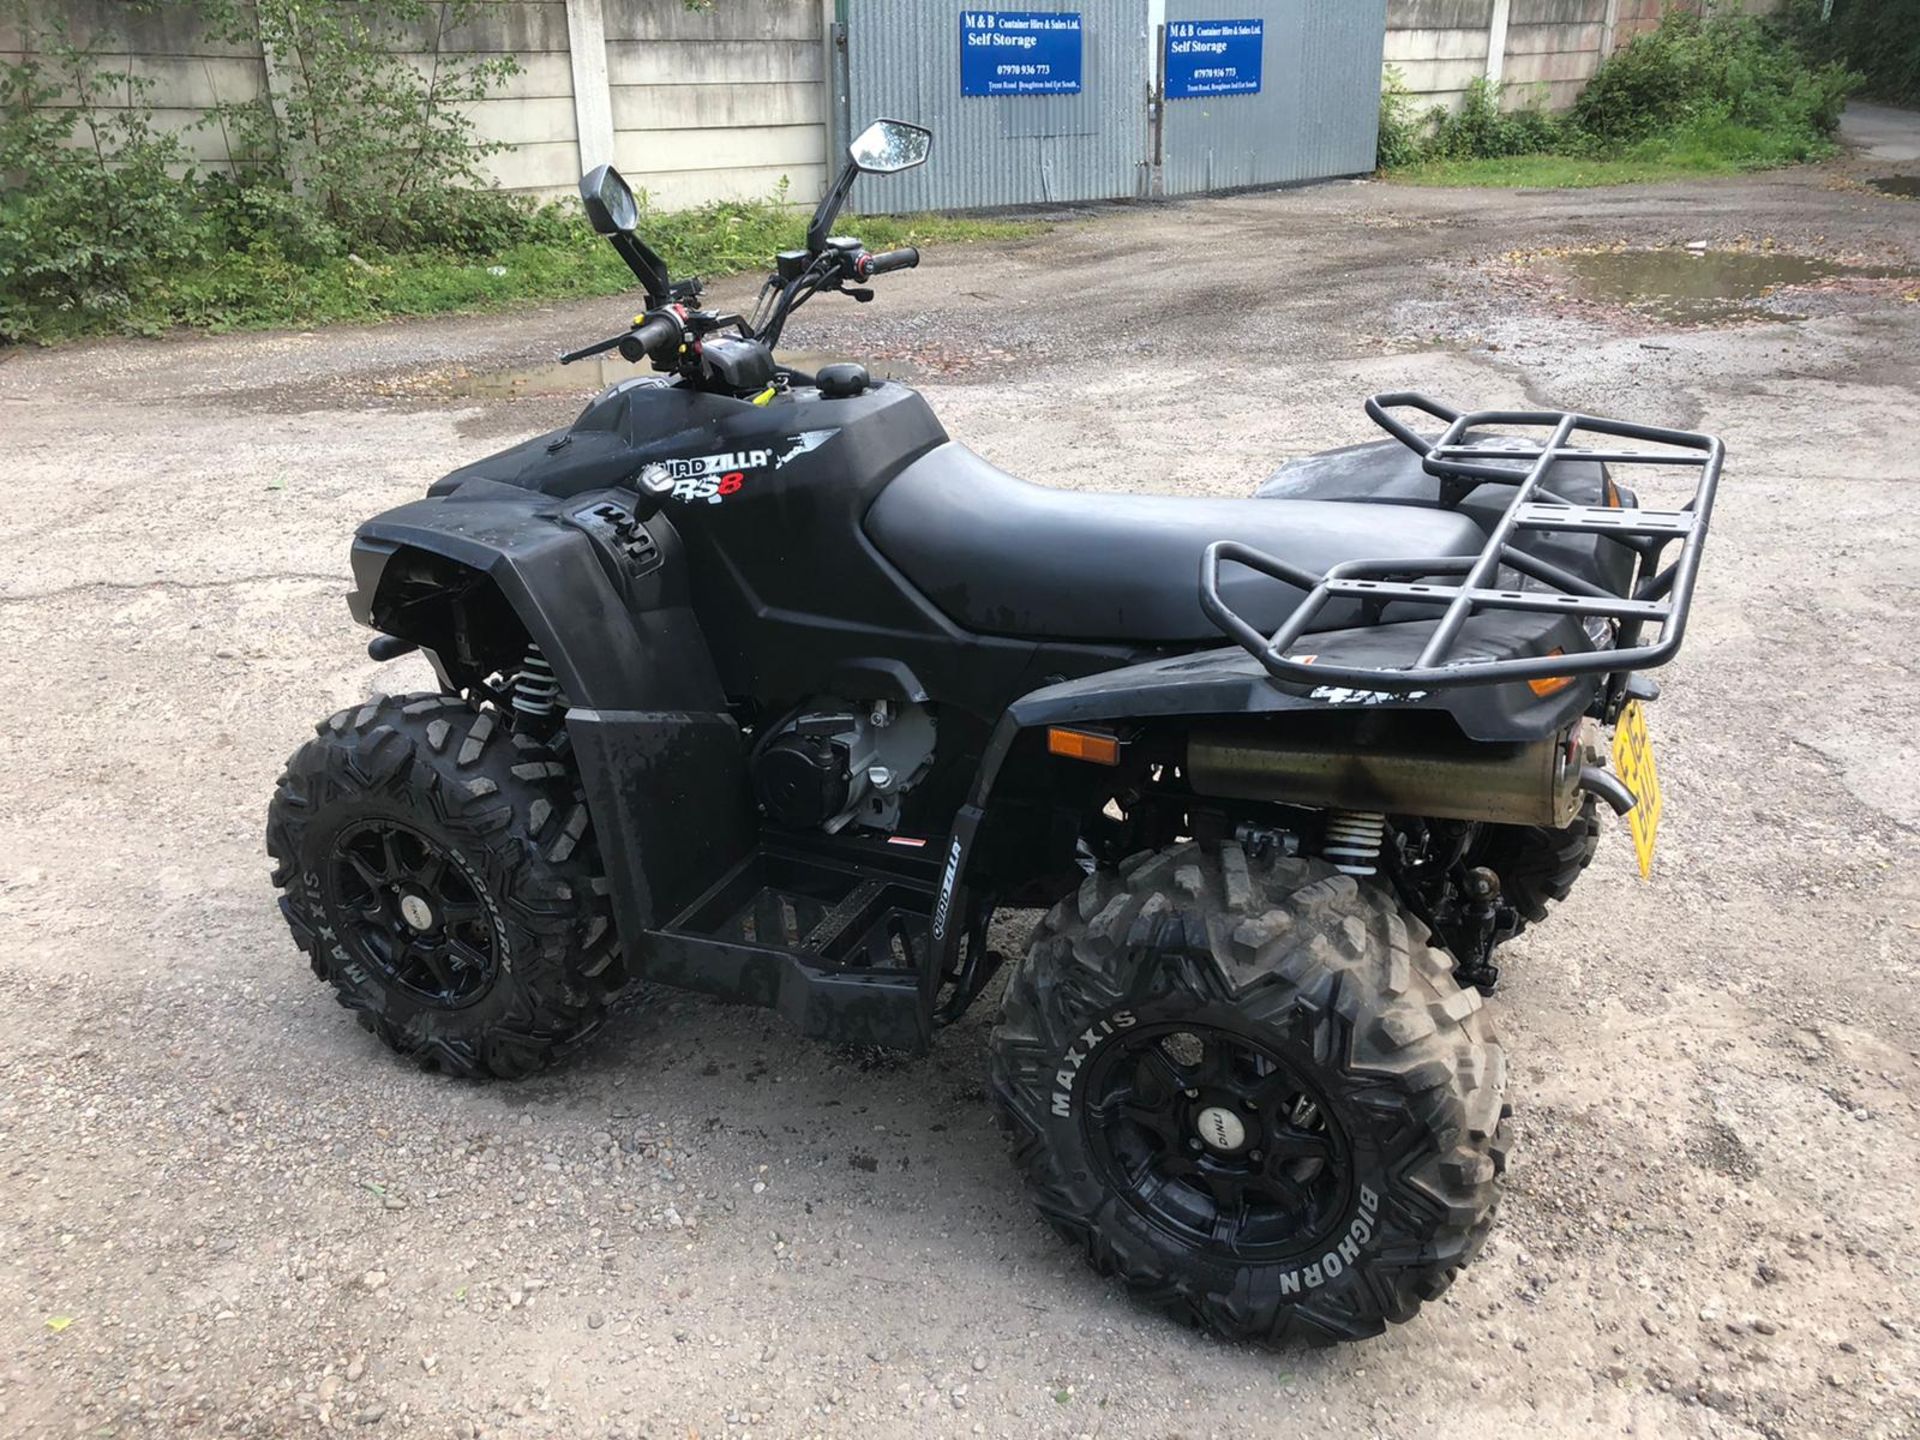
[{"x": 224, "y": 1211}]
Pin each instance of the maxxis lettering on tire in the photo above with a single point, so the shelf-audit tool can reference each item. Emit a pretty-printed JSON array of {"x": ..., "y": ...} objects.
[{"x": 1081, "y": 1052}]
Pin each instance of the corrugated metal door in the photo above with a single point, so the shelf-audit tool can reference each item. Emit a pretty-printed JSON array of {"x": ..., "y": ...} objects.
[
  {"x": 904, "y": 60},
  {"x": 1316, "y": 113}
]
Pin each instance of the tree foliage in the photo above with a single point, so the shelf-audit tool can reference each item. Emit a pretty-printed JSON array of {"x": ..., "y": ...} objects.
[{"x": 1878, "y": 38}]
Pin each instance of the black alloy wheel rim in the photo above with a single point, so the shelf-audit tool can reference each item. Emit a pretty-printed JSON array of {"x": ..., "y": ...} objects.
[
  {"x": 1217, "y": 1140},
  {"x": 413, "y": 911}
]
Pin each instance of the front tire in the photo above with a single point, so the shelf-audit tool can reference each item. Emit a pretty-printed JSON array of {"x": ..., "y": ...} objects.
[
  {"x": 439, "y": 872},
  {"x": 1251, "y": 1091}
]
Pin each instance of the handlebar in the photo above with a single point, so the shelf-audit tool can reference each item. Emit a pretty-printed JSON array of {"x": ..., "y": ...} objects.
[
  {"x": 655, "y": 338},
  {"x": 904, "y": 258},
  {"x": 660, "y": 334}
]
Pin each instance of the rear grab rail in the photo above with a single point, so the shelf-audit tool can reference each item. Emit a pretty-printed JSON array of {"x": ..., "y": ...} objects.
[{"x": 1465, "y": 457}]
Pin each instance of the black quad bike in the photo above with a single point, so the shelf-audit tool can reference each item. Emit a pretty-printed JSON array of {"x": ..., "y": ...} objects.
[{"x": 754, "y": 682}]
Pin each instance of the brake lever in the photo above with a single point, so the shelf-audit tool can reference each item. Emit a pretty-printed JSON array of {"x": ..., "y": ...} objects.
[
  {"x": 858, "y": 292},
  {"x": 591, "y": 350}
]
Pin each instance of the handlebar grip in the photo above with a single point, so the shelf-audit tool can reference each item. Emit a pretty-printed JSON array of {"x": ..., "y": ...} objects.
[
  {"x": 904, "y": 258},
  {"x": 655, "y": 340}
]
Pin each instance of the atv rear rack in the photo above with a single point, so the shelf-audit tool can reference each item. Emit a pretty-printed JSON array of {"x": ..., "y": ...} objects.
[{"x": 1462, "y": 586}]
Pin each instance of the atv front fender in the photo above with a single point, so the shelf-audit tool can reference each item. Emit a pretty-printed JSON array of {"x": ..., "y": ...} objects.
[
  {"x": 600, "y": 591},
  {"x": 604, "y": 595}
]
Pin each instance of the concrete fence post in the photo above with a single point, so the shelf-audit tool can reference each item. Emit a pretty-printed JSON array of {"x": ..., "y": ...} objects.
[
  {"x": 278, "y": 88},
  {"x": 1609, "y": 28},
  {"x": 1497, "y": 41},
  {"x": 592, "y": 99},
  {"x": 832, "y": 68}
]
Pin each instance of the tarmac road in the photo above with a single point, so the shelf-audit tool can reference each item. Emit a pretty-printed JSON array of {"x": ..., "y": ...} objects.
[{"x": 224, "y": 1211}]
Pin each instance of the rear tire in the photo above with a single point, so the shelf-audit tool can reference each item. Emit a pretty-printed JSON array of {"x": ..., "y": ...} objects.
[
  {"x": 1538, "y": 865},
  {"x": 439, "y": 872},
  {"x": 1325, "y": 1157}
]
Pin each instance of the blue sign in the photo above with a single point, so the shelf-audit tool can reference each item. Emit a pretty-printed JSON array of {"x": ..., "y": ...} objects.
[
  {"x": 1213, "y": 57},
  {"x": 1019, "y": 52}
]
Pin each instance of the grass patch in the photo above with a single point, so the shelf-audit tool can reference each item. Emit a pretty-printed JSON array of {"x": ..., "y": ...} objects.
[
  {"x": 1711, "y": 148},
  {"x": 260, "y": 288}
]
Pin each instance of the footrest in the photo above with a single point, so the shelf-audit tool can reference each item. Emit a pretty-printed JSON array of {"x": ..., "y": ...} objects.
[
  {"x": 824, "y": 911},
  {"x": 840, "y": 945}
]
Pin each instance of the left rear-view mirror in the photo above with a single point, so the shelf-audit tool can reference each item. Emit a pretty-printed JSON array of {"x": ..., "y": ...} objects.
[{"x": 611, "y": 208}]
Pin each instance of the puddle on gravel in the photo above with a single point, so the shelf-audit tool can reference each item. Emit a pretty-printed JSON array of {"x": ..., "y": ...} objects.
[
  {"x": 583, "y": 377},
  {"x": 1907, "y": 187},
  {"x": 1692, "y": 287},
  {"x": 590, "y": 377}
]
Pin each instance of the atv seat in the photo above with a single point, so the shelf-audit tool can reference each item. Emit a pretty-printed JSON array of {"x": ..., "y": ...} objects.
[{"x": 1001, "y": 556}]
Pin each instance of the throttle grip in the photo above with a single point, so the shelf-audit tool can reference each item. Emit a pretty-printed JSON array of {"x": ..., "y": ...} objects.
[
  {"x": 904, "y": 258},
  {"x": 655, "y": 340}
]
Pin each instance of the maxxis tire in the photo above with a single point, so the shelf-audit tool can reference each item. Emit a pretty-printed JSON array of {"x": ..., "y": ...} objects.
[
  {"x": 508, "y": 809},
  {"x": 1538, "y": 865},
  {"x": 1306, "y": 959}
]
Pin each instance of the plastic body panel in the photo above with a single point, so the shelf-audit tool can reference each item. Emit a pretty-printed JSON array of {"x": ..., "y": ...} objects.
[{"x": 792, "y": 595}]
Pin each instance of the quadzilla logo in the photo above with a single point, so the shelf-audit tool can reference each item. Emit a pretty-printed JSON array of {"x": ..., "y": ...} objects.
[{"x": 713, "y": 478}]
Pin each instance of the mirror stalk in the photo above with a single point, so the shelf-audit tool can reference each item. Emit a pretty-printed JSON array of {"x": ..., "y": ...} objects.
[
  {"x": 648, "y": 268},
  {"x": 821, "y": 226}
]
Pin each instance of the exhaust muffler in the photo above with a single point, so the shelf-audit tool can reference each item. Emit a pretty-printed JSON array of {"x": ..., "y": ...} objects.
[{"x": 1522, "y": 783}]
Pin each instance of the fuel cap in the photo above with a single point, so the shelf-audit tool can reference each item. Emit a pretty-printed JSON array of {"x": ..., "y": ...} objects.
[{"x": 839, "y": 382}]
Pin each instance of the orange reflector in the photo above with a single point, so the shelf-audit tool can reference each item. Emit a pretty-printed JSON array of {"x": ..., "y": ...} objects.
[
  {"x": 1553, "y": 684},
  {"x": 1088, "y": 745},
  {"x": 1610, "y": 494}
]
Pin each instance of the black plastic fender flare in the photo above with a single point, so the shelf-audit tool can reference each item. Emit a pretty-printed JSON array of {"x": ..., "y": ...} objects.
[
  {"x": 616, "y": 640},
  {"x": 1226, "y": 682}
]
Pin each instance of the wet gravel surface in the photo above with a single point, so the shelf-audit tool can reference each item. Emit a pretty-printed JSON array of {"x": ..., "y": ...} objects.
[{"x": 223, "y": 1211}]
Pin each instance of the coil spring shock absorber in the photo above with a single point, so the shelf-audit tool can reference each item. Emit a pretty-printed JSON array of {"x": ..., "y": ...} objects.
[
  {"x": 536, "y": 693},
  {"x": 1353, "y": 840}
]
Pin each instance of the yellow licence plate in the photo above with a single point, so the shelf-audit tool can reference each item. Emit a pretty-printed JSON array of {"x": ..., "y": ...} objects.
[{"x": 1633, "y": 763}]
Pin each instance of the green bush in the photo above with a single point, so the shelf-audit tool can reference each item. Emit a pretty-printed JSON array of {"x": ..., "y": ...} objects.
[
  {"x": 104, "y": 224},
  {"x": 1481, "y": 130},
  {"x": 1401, "y": 140},
  {"x": 258, "y": 215},
  {"x": 374, "y": 141},
  {"x": 90, "y": 207},
  {"x": 1722, "y": 92},
  {"x": 1730, "y": 68}
]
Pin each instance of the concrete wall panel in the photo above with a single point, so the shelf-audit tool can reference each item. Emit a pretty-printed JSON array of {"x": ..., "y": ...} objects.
[
  {"x": 726, "y": 20},
  {"x": 725, "y": 102},
  {"x": 713, "y": 62},
  {"x": 718, "y": 107}
]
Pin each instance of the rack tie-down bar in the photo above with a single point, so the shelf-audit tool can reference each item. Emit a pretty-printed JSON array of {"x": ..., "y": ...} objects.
[{"x": 1462, "y": 586}]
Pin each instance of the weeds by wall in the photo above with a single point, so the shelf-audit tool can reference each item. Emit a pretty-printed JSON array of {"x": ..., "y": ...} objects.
[
  {"x": 1724, "y": 90},
  {"x": 356, "y": 191}
]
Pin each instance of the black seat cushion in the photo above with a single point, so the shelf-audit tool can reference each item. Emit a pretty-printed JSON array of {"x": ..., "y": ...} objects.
[{"x": 1003, "y": 557}]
